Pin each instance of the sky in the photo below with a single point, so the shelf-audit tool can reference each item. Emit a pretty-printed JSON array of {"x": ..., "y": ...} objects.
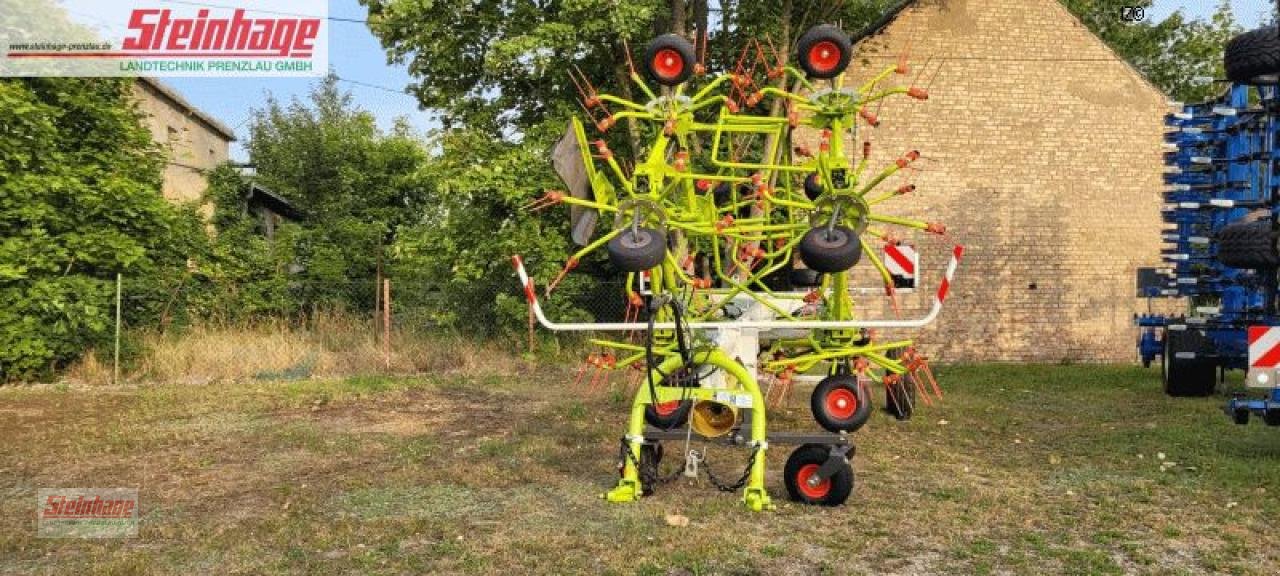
[{"x": 356, "y": 56}]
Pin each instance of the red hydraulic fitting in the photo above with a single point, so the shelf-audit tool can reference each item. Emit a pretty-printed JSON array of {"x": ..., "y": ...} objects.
[
  {"x": 911, "y": 156},
  {"x": 603, "y": 149},
  {"x": 725, "y": 222},
  {"x": 699, "y": 69},
  {"x": 860, "y": 365},
  {"x": 732, "y": 106},
  {"x": 635, "y": 299},
  {"x": 592, "y": 101},
  {"x": 682, "y": 161},
  {"x": 606, "y": 124},
  {"x": 866, "y": 149},
  {"x": 918, "y": 93},
  {"x": 702, "y": 283},
  {"x": 909, "y": 188},
  {"x": 936, "y": 228},
  {"x": 669, "y": 127},
  {"x": 755, "y": 98},
  {"x": 869, "y": 117},
  {"x": 803, "y": 151},
  {"x": 812, "y": 296},
  {"x": 793, "y": 118},
  {"x": 703, "y": 185}
]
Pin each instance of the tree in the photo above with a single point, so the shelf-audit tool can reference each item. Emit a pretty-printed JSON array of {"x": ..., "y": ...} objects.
[
  {"x": 79, "y": 201},
  {"x": 355, "y": 185},
  {"x": 1174, "y": 53}
]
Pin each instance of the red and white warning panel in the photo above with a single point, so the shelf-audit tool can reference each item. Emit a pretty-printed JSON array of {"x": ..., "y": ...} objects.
[
  {"x": 1264, "y": 356},
  {"x": 902, "y": 261}
]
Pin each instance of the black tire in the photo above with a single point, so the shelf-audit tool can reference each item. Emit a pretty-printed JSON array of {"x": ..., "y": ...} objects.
[
  {"x": 900, "y": 397},
  {"x": 669, "y": 415},
  {"x": 669, "y": 59},
  {"x": 802, "y": 463},
  {"x": 1248, "y": 246},
  {"x": 649, "y": 472},
  {"x": 1253, "y": 57},
  {"x": 824, "y": 51},
  {"x": 637, "y": 251},
  {"x": 812, "y": 188},
  {"x": 1188, "y": 377},
  {"x": 837, "y": 251},
  {"x": 1240, "y": 416},
  {"x": 840, "y": 404},
  {"x": 805, "y": 278},
  {"x": 1271, "y": 418}
]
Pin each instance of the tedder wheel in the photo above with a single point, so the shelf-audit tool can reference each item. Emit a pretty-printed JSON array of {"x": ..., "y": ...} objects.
[
  {"x": 1253, "y": 57},
  {"x": 1248, "y": 245},
  {"x": 668, "y": 415},
  {"x": 803, "y": 464},
  {"x": 900, "y": 397},
  {"x": 824, "y": 51},
  {"x": 812, "y": 187},
  {"x": 670, "y": 59},
  {"x": 830, "y": 251},
  {"x": 1187, "y": 376},
  {"x": 840, "y": 404},
  {"x": 637, "y": 250}
]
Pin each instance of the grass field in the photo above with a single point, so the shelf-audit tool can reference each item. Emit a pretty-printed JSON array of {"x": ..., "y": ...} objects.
[{"x": 1048, "y": 469}]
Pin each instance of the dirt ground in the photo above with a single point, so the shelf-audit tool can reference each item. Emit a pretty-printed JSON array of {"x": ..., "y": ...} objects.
[{"x": 1026, "y": 470}]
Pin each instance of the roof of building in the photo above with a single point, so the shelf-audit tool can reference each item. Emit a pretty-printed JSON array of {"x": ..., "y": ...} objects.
[
  {"x": 259, "y": 195},
  {"x": 181, "y": 102}
]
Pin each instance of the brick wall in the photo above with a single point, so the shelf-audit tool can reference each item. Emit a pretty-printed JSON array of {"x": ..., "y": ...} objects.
[{"x": 1043, "y": 157}]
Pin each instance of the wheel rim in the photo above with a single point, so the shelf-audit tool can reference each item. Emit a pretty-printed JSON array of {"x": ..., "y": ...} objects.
[
  {"x": 812, "y": 492},
  {"x": 667, "y": 63},
  {"x": 841, "y": 403},
  {"x": 824, "y": 56},
  {"x": 666, "y": 408}
]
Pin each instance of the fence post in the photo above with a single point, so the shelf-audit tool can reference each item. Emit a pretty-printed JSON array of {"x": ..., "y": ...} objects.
[
  {"x": 115, "y": 364},
  {"x": 386, "y": 321}
]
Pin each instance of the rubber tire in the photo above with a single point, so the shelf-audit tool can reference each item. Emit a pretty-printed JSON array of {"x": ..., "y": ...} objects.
[
  {"x": 821, "y": 33},
  {"x": 904, "y": 389},
  {"x": 812, "y": 188},
  {"x": 831, "y": 423},
  {"x": 1187, "y": 377},
  {"x": 637, "y": 252},
  {"x": 681, "y": 47},
  {"x": 1248, "y": 246},
  {"x": 676, "y": 419},
  {"x": 1240, "y": 416},
  {"x": 841, "y": 481},
  {"x": 830, "y": 256},
  {"x": 1253, "y": 55}
]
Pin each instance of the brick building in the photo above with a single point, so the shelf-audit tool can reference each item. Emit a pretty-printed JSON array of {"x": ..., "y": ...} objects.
[
  {"x": 1042, "y": 156},
  {"x": 193, "y": 141}
]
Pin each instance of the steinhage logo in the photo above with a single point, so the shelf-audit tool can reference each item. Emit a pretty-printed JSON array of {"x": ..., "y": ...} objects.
[
  {"x": 159, "y": 30},
  {"x": 144, "y": 37}
]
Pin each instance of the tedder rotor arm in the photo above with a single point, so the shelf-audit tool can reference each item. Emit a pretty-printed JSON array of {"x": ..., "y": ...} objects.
[{"x": 943, "y": 290}]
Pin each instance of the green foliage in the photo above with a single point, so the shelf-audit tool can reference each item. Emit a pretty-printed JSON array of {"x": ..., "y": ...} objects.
[
  {"x": 1172, "y": 53},
  {"x": 79, "y": 202},
  {"x": 355, "y": 187}
]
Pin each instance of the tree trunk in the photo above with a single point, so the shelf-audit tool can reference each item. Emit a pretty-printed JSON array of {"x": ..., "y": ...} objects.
[
  {"x": 678, "y": 17},
  {"x": 622, "y": 75}
]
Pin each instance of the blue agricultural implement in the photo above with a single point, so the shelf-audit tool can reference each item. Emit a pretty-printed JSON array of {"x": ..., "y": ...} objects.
[{"x": 1222, "y": 222}]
